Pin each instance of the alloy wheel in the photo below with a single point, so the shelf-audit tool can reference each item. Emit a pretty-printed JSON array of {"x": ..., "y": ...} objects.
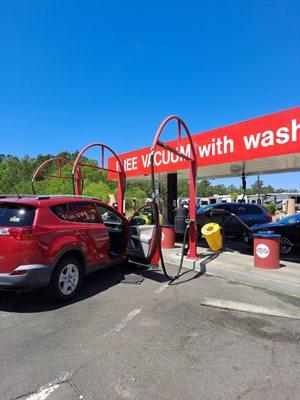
[{"x": 68, "y": 279}]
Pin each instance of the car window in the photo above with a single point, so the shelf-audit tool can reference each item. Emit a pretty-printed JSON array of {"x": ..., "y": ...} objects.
[
  {"x": 204, "y": 209},
  {"x": 239, "y": 209},
  {"x": 61, "y": 211},
  {"x": 222, "y": 206},
  {"x": 107, "y": 215},
  {"x": 16, "y": 215},
  {"x": 251, "y": 210},
  {"x": 83, "y": 212}
]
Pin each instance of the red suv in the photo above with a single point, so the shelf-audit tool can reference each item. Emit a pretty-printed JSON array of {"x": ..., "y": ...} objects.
[{"x": 53, "y": 241}]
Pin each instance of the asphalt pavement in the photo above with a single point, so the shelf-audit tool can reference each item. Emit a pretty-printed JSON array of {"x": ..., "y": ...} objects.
[{"x": 148, "y": 341}]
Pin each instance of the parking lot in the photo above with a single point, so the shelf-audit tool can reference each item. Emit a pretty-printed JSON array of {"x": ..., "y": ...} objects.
[{"x": 147, "y": 341}]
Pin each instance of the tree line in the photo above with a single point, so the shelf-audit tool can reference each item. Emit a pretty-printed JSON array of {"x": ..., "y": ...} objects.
[{"x": 16, "y": 174}]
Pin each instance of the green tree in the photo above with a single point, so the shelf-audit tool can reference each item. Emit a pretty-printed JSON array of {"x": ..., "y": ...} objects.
[{"x": 205, "y": 188}]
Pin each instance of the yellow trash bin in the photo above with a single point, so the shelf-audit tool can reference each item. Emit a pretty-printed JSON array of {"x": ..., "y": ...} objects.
[{"x": 212, "y": 234}]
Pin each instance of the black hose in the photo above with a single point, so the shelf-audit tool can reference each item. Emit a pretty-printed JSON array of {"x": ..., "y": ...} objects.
[
  {"x": 182, "y": 252},
  {"x": 229, "y": 213},
  {"x": 244, "y": 186},
  {"x": 156, "y": 219},
  {"x": 158, "y": 231}
]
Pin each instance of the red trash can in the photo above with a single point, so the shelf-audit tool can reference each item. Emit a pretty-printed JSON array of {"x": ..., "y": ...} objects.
[
  {"x": 167, "y": 236},
  {"x": 266, "y": 250}
]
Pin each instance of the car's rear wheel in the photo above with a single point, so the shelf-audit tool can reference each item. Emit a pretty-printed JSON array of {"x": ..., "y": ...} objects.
[
  {"x": 286, "y": 245},
  {"x": 66, "y": 280}
]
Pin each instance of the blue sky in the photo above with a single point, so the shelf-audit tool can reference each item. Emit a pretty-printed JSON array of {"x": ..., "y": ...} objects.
[{"x": 75, "y": 72}]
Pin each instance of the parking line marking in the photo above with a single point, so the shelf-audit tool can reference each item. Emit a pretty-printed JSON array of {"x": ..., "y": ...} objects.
[
  {"x": 43, "y": 393},
  {"x": 162, "y": 288},
  {"x": 46, "y": 390},
  {"x": 123, "y": 322}
]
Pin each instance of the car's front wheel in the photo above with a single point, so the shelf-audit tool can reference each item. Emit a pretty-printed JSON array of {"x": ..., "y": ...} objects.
[
  {"x": 66, "y": 280},
  {"x": 286, "y": 245}
]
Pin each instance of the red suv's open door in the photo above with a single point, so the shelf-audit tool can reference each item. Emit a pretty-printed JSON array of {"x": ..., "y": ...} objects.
[{"x": 143, "y": 239}]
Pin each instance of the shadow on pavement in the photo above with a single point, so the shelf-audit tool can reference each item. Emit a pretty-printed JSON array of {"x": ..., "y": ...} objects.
[
  {"x": 208, "y": 258},
  {"x": 36, "y": 301}
]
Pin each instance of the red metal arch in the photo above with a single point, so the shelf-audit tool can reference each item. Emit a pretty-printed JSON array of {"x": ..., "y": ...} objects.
[
  {"x": 120, "y": 171},
  {"x": 60, "y": 161},
  {"x": 193, "y": 172}
]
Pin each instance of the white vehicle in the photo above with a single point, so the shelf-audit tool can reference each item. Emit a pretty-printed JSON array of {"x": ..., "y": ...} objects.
[
  {"x": 277, "y": 198},
  {"x": 204, "y": 201}
]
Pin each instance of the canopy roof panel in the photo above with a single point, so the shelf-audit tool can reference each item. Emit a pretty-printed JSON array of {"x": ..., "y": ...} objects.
[{"x": 267, "y": 144}]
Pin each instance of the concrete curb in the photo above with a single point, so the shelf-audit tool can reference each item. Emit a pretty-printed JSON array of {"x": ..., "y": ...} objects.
[
  {"x": 249, "y": 308},
  {"x": 229, "y": 266}
]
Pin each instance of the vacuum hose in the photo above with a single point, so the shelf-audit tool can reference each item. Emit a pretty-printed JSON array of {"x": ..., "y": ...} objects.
[{"x": 185, "y": 236}]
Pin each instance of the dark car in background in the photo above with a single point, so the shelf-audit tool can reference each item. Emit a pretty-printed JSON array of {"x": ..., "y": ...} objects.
[
  {"x": 250, "y": 214},
  {"x": 288, "y": 228}
]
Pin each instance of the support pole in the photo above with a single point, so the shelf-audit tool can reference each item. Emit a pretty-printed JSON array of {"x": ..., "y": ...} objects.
[
  {"x": 171, "y": 197},
  {"x": 193, "y": 218}
]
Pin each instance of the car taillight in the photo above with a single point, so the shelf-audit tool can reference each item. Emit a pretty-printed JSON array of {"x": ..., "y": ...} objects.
[
  {"x": 21, "y": 233},
  {"x": 269, "y": 218}
]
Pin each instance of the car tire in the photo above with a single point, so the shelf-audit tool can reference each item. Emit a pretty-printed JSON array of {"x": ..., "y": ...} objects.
[
  {"x": 66, "y": 280},
  {"x": 286, "y": 246}
]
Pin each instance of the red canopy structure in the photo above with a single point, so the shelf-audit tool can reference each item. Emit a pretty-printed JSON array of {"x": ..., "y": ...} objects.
[
  {"x": 267, "y": 144},
  {"x": 59, "y": 161},
  {"x": 192, "y": 162},
  {"x": 118, "y": 171}
]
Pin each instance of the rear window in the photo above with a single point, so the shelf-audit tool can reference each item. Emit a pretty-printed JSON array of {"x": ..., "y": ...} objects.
[{"x": 16, "y": 215}]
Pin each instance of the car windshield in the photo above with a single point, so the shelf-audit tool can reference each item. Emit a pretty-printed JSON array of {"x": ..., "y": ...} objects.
[{"x": 290, "y": 219}]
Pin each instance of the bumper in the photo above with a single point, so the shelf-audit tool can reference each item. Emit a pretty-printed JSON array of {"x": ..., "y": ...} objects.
[{"x": 37, "y": 275}]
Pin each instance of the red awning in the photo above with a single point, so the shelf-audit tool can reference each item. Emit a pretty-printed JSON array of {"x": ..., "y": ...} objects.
[{"x": 267, "y": 144}]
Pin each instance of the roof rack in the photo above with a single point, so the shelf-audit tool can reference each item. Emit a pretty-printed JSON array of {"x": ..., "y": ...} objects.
[
  {"x": 4, "y": 196},
  {"x": 53, "y": 196}
]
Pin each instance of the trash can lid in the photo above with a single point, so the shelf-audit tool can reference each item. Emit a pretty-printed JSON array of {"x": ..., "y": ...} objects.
[
  {"x": 210, "y": 228},
  {"x": 267, "y": 235}
]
